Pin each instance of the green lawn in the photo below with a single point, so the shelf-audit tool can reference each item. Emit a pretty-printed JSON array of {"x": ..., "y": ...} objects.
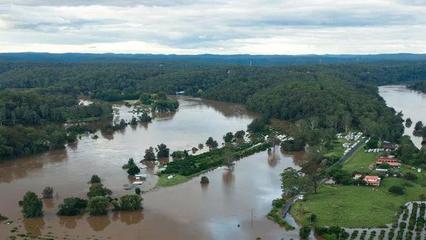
[
  {"x": 356, "y": 206},
  {"x": 177, "y": 179},
  {"x": 360, "y": 161},
  {"x": 337, "y": 149}
]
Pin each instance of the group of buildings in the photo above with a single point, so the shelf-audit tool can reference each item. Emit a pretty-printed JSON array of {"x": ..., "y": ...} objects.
[{"x": 390, "y": 161}]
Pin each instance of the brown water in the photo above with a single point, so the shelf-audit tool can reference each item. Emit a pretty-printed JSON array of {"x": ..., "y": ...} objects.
[
  {"x": 411, "y": 103},
  {"x": 241, "y": 197}
]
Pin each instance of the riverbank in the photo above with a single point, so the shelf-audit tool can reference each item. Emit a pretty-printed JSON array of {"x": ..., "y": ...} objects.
[{"x": 189, "y": 210}]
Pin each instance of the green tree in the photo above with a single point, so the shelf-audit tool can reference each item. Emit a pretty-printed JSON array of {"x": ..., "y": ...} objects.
[
  {"x": 98, "y": 205},
  {"x": 133, "y": 170},
  {"x": 72, "y": 206},
  {"x": 228, "y": 137},
  {"x": 293, "y": 182},
  {"x": 47, "y": 192},
  {"x": 211, "y": 143},
  {"x": 97, "y": 190},
  {"x": 130, "y": 202},
  {"x": 32, "y": 206},
  {"x": 95, "y": 179},
  {"x": 162, "y": 151},
  {"x": 149, "y": 154}
]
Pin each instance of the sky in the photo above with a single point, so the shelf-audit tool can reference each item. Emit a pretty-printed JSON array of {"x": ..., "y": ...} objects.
[{"x": 214, "y": 26}]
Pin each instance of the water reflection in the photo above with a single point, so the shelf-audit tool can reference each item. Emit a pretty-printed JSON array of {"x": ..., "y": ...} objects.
[
  {"x": 34, "y": 226},
  {"x": 69, "y": 222},
  {"x": 129, "y": 218},
  {"x": 98, "y": 223}
]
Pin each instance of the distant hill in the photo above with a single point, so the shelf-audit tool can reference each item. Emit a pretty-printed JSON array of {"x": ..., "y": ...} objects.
[{"x": 233, "y": 59}]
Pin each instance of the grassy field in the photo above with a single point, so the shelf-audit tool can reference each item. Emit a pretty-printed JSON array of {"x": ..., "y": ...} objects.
[
  {"x": 177, "y": 179},
  {"x": 356, "y": 206},
  {"x": 360, "y": 161},
  {"x": 337, "y": 149}
]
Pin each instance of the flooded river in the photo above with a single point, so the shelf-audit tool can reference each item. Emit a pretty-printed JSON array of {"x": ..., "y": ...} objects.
[
  {"x": 232, "y": 206},
  {"x": 411, "y": 103}
]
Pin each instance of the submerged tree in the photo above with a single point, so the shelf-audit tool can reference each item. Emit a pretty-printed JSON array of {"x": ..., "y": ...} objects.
[
  {"x": 211, "y": 143},
  {"x": 32, "y": 206},
  {"x": 72, "y": 206},
  {"x": 408, "y": 122},
  {"x": 47, "y": 192},
  {"x": 149, "y": 154},
  {"x": 130, "y": 202},
  {"x": 162, "y": 151},
  {"x": 228, "y": 137},
  {"x": 145, "y": 118},
  {"x": 98, "y": 205},
  {"x": 95, "y": 179}
]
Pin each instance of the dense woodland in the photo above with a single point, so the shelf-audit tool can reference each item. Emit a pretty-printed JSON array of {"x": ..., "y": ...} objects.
[
  {"x": 31, "y": 120},
  {"x": 321, "y": 99},
  {"x": 419, "y": 86}
]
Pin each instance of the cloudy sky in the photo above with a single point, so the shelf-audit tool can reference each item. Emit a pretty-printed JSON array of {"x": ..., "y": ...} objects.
[{"x": 214, "y": 26}]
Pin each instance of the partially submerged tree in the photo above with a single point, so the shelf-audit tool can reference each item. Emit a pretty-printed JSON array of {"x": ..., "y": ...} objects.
[
  {"x": 72, "y": 206},
  {"x": 204, "y": 180},
  {"x": 162, "y": 151},
  {"x": 95, "y": 179},
  {"x": 149, "y": 154},
  {"x": 98, "y": 205},
  {"x": 97, "y": 190},
  {"x": 211, "y": 143},
  {"x": 32, "y": 206},
  {"x": 228, "y": 137},
  {"x": 130, "y": 202},
  {"x": 47, "y": 192}
]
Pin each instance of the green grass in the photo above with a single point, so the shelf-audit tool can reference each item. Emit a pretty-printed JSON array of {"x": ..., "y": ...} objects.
[
  {"x": 356, "y": 206},
  {"x": 337, "y": 149},
  {"x": 360, "y": 161},
  {"x": 177, "y": 179}
]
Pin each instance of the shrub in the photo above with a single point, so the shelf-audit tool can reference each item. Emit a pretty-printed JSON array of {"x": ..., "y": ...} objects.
[
  {"x": 398, "y": 190},
  {"x": 304, "y": 232},
  {"x": 410, "y": 176}
]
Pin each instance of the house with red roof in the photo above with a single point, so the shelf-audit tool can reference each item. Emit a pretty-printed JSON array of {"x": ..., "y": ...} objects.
[
  {"x": 391, "y": 161},
  {"x": 372, "y": 180}
]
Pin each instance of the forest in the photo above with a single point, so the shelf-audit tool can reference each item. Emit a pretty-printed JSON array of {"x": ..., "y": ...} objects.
[
  {"x": 418, "y": 86},
  {"x": 31, "y": 120},
  {"x": 321, "y": 99}
]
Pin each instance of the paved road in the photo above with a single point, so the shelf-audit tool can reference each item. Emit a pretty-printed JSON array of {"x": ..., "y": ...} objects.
[{"x": 345, "y": 157}]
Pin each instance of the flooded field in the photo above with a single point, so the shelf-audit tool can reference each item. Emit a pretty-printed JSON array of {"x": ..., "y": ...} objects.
[
  {"x": 411, "y": 103},
  {"x": 233, "y": 205}
]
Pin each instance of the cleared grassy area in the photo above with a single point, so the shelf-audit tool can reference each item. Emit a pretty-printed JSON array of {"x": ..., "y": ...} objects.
[
  {"x": 360, "y": 161},
  {"x": 177, "y": 179},
  {"x": 337, "y": 149},
  {"x": 356, "y": 206}
]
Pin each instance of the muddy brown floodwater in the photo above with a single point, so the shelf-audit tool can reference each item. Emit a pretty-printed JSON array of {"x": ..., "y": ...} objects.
[
  {"x": 232, "y": 206},
  {"x": 411, "y": 103}
]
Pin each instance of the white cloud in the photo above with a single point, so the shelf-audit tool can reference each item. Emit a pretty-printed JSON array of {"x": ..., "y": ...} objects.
[{"x": 189, "y": 26}]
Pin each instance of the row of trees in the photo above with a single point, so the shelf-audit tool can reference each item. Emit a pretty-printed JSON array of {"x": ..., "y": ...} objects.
[{"x": 98, "y": 202}]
